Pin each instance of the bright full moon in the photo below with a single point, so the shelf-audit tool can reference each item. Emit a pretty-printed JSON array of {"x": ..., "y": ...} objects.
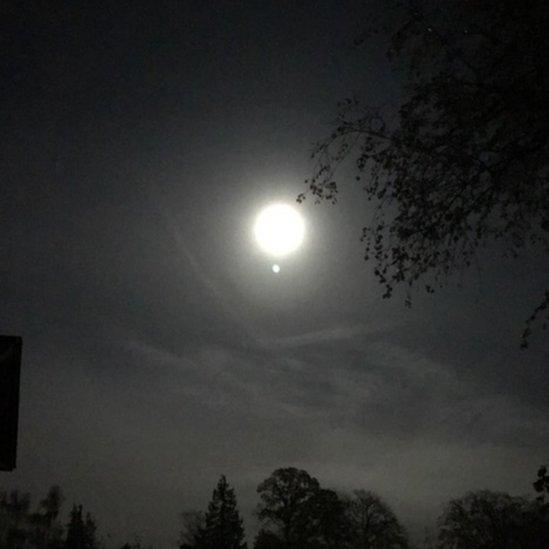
[{"x": 279, "y": 230}]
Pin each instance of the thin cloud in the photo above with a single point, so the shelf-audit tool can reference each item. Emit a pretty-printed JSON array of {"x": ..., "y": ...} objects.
[{"x": 327, "y": 335}]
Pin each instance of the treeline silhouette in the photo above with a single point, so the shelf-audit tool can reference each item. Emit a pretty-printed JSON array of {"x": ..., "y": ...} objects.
[
  {"x": 22, "y": 528},
  {"x": 295, "y": 512}
]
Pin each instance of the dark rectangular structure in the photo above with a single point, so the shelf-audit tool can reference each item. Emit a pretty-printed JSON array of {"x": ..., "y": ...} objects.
[{"x": 10, "y": 370}]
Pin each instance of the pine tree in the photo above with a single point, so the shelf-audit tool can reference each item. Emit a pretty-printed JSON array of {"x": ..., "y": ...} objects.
[
  {"x": 90, "y": 528},
  {"x": 75, "y": 529},
  {"x": 80, "y": 531},
  {"x": 223, "y": 526}
]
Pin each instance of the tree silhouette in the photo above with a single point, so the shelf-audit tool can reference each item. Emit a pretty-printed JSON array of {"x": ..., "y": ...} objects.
[
  {"x": 286, "y": 505},
  {"x": 222, "y": 523},
  {"x": 541, "y": 485},
  {"x": 80, "y": 530},
  {"x": 14, "y": 519},
  {"x": 297, "y": 512},
  {"x": 135, "y": 544},
  {"x": 266, "y": 539},
  {"x": 327, "y": 525},
  {"x": 48, "y": 532},
  {"x": 372, "y": 523},
  {"x": 464, "y": 158},
  {"x": 493, "y": 519},
  {"x": 192, "y": 530}
]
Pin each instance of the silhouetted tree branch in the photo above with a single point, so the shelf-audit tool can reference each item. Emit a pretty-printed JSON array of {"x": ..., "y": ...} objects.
[{"x": 464, "y": 159}]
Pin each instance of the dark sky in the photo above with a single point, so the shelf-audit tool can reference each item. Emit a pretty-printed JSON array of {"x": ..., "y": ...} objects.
[{"x": 139, "y": 140}]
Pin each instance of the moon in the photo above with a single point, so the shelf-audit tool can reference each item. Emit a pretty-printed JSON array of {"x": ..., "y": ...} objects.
[
  {"x": 276, "y": 268},
  {"x": 279, "y": 230}
]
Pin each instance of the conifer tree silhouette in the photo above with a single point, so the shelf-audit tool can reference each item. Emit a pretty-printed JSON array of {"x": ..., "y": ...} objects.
[
  {"x": 223, "y": 527},
  {"x": 80, "y": 530}
]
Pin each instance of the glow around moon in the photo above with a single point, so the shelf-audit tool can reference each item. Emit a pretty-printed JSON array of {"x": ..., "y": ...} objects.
[{"x": 279, "y": 230}]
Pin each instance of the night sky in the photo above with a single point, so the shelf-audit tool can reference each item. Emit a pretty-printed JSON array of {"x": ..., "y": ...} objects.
[{"x": 139, "y": 141}]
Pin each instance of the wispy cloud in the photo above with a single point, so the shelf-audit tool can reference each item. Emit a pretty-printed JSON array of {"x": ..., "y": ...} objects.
[{"x": 326, "y": 335}]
